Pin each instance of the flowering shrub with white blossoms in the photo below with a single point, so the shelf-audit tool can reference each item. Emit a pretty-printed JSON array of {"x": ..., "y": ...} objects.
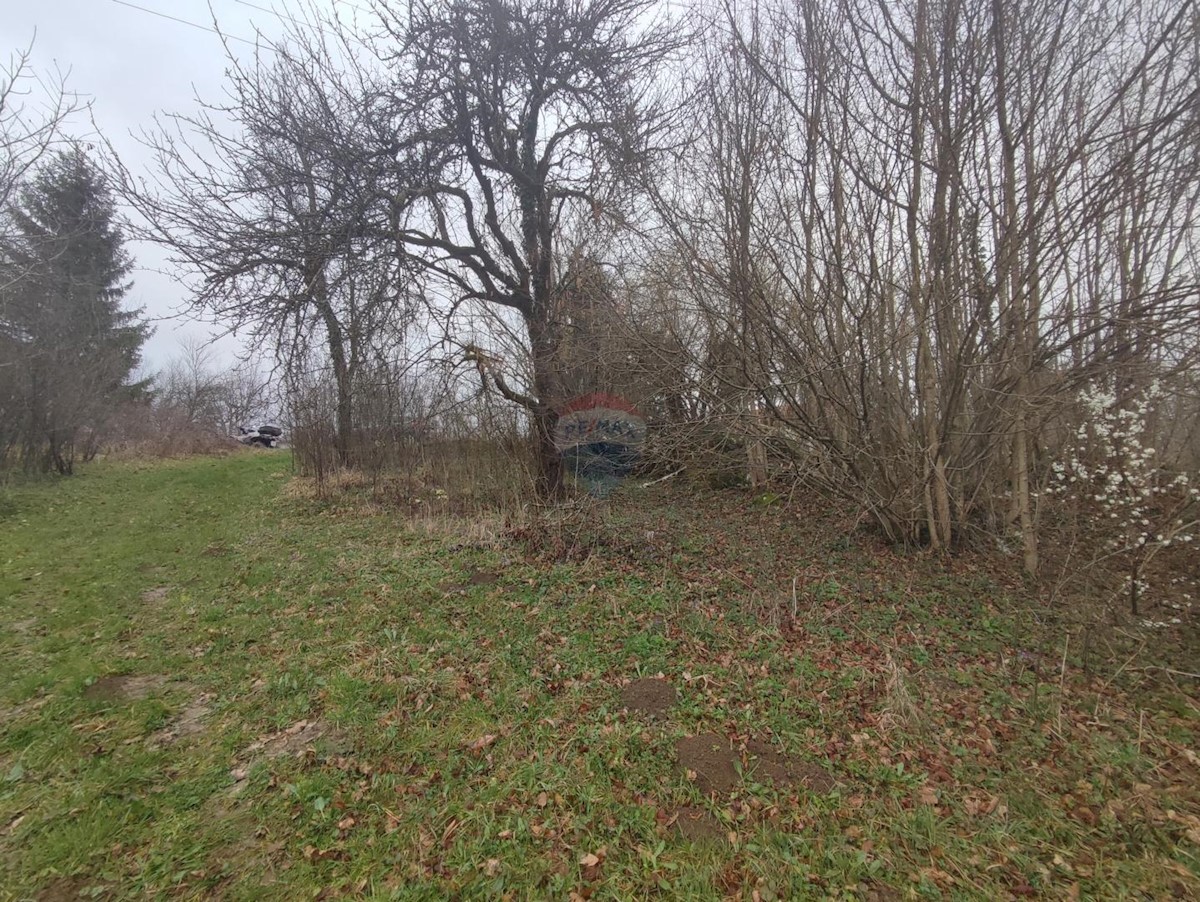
[{"x": 1111, "y": 469}]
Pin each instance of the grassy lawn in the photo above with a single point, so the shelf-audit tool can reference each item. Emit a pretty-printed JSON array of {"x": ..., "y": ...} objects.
[{"x": 212, "y": 684}]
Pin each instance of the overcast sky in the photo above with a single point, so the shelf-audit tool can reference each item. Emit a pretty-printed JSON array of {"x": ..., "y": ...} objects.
[{"x": 131, "y": 63}]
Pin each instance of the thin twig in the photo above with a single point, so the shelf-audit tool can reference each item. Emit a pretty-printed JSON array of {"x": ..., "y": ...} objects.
[
  {"x": 1062, "y": 679},
  {"x": 647, "y": 485},
  {"x": 1182, "y": 673}
]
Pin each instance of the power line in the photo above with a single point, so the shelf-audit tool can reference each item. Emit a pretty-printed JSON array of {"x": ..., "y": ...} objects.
[
  {"x": 207, "y": 28},
  {"x": 283, "y": 16},
  {"x": 277, "y": 14},
  {"x": 264, "y": 44},
  {"x": 369, "y": 12}
]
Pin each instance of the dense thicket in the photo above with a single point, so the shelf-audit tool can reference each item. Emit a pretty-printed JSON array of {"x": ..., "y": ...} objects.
[
  {"x": 879, "y": 248},
  {"x": 912, "y": 231}
]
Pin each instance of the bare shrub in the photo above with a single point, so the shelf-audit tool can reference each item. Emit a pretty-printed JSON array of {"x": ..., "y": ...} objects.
[
  {"x": 205, "y": 397},
  {"x": 422, "y": 442},
  {"x": 147, "y": 431}
]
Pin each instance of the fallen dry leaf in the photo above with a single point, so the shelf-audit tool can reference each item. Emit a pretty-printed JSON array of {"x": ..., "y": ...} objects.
[
  {"x": 482, "y": 742},
  {"x": 981, "y": 804},
  {"x": 312, "y": 853}
]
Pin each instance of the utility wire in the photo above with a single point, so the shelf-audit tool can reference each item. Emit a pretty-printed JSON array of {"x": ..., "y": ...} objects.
[
  {"x": 369, "y": 12},
  {"x": 304, "y": 23},
  {"x": 279, "y": 15},
  {"x": 207, "y": 28},
  {"x": 285, "y": 17}
]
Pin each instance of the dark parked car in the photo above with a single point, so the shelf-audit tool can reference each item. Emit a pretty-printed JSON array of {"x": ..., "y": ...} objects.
[{"x": 266, "y": 436}]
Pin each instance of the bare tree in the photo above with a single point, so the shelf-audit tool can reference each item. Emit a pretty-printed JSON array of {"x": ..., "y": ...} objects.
[
  {"x": 190, "y": 385},
  {"x": 278, "y": 207},
  {"x": 204, "y": 396},
  {"x": 31, "y": 120},
  {"x": 544, "y": 110}
]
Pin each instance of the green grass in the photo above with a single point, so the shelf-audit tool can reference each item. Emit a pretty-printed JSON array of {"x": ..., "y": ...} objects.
[{"x": 458, "y": 740}]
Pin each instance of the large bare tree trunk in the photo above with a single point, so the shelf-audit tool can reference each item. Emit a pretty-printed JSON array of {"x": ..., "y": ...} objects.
[
  {"x": 546, "y": 382},
  {"x": 343, "y": 378},
  {"x": 1013, "y": 297}
]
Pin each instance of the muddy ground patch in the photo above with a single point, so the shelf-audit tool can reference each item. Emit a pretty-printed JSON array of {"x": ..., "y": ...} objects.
[
  {"x": 649, "y": 697},
  {"x": 472, "y": 579},
  {"x": 191, "y": 721},
  {"x": 697, "y": 824},
  {"x": 718, "y": 765},
  {"x": 124, "y": 687},
  {"x": 296, "y": 740}
]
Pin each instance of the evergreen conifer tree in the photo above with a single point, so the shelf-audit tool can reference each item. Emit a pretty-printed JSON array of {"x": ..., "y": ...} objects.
[{"x": 68, "y": 347}]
